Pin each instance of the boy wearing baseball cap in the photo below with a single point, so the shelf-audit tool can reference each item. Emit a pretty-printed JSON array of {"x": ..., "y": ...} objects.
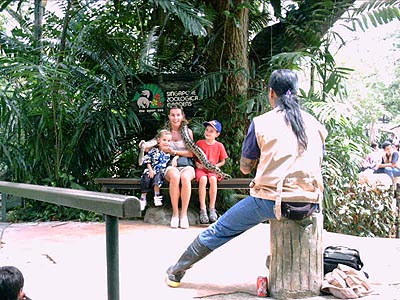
[{"x": 216, "y": 154}]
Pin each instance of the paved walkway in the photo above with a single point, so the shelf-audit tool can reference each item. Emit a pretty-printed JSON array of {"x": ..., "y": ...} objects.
[{"x": 66, "y": 260}]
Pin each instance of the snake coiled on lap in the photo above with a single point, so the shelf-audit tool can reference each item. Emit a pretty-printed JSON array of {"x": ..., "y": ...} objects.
[{"x": 199, "y": 153}]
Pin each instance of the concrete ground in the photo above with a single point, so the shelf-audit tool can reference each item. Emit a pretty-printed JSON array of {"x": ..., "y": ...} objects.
[{"x": 67, "y": 260}]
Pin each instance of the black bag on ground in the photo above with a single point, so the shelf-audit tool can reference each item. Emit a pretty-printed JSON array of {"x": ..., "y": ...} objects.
[{"x": 334, "y": 255}]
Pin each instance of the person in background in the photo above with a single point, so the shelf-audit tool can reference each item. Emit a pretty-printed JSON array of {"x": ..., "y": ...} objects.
[
  {"x": 373, "y": 159},
  {"x": 11, "y": 284},
  {"x": 156, "y": 161},
  {"x": 390, "y": 163},
  {"x": 286, "y": 147},
  {"x": 397, "y": 146},
  {"x": 216, "y": 154}
]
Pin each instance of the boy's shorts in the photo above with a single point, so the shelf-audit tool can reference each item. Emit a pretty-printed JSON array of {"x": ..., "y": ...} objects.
[{"x": 204, "y": 172}]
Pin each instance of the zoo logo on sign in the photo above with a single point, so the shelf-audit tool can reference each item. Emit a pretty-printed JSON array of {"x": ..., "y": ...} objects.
[{"x": 149, "y": 99}]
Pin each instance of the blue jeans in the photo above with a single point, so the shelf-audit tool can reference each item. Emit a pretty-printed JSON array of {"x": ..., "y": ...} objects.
[
  {"x": 392, "y": 172},
  {"x": 244, "y": 215}
]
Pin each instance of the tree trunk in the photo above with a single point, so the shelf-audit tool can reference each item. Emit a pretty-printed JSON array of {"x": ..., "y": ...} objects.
[
  {"x": 63, "y": 38},
  {"x": 296, "y": 262},
  {"x": 230, "y": 47},
  {"x": 38, "y": 27}
]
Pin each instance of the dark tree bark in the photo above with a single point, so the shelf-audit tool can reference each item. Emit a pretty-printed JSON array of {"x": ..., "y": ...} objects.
[
  {"x": 39, "y": 10},
  {"x": 229, "y": 51}
]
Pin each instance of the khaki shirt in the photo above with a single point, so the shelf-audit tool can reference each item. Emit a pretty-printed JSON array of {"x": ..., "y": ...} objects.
[{"x": 280, "y": 163}]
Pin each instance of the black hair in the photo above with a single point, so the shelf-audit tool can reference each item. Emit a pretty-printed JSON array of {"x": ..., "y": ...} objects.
[
  {"x": 385, "y": 144},
  {"x": 11, "y": 282},
  {"x": 284, "y": 82}
]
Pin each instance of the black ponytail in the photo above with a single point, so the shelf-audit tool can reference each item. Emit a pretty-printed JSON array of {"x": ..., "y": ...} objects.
[{"x": 284, "y": 83}]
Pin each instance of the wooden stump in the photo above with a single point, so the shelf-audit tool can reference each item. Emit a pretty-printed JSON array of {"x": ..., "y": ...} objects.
[{"x": 296, "y": 262}]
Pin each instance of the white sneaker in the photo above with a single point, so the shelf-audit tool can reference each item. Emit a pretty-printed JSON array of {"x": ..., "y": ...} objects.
[
  {"x": 157, "y": 200},
  {"x": 184, "y": 222},
  {"x": 175, "y": 222},
  {"x": 143, "y": 204}
]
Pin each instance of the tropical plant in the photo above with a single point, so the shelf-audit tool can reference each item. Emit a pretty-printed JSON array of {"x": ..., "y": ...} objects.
[
  {"x": 65, "y": 109},
  {"x": 363, "y": 211}
]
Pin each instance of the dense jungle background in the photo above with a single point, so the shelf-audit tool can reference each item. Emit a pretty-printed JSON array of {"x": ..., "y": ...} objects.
[{"x": 69, "y": 70}]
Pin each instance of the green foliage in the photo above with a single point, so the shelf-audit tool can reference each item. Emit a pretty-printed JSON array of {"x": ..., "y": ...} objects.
[
  {"x": 363, "y": 211},
  {"x": 391, "y": 97},
  {"x": 227, "y": 198},
  {"x": 345, "y": 146},
  {"x": 191, "y": 18}
]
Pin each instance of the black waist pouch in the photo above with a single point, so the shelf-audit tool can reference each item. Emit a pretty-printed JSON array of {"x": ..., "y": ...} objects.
[
  {"x": 334, "y": 255},
  {"x": 298, "y": 210}
]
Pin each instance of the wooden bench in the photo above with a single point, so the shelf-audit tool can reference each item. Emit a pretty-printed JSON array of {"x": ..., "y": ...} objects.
[{"x": 134, "y": 184}]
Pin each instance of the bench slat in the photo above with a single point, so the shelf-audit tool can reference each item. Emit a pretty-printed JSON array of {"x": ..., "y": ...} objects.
[{"x": 134, "y": 183}]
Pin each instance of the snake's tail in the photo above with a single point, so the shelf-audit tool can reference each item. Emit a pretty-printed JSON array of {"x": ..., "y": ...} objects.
[{"x": 142, "y": 147}]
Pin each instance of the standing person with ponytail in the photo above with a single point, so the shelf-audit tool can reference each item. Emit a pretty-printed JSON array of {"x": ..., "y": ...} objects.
[{"x": 285, "y": 145}]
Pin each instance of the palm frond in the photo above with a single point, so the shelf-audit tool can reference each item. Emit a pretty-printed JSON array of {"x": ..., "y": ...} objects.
[
  {"x": 209, "y": 84},
  {"x": 192, "y": 19},
  {"x": 290, "y": 60},
  {"x": 147, "y": 59},
  {"x": 375, "y": 13}
]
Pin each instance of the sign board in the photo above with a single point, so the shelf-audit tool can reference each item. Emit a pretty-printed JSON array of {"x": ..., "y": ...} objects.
[{"x": 155, "y": 95}]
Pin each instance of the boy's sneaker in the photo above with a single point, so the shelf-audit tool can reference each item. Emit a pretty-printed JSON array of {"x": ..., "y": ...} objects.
[
  {"x": 213, "y": 215},
  {"x": 157, "y": 200},
  {"x": 203, "y": 217},
  {"x": 143, "y": 204}
]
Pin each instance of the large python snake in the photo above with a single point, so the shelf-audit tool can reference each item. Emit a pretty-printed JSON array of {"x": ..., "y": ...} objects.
[{"x": 199, "y": 153}]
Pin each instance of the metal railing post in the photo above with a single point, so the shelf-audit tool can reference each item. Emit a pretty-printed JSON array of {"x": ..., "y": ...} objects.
[
  {"x": 3, "y": 206},
  {"x": 397, "y": 197},
  {"x": 112, "y": 257}
]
